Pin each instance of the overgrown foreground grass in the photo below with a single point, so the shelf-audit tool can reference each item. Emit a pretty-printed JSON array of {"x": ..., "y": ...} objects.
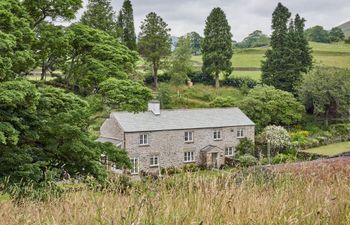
[{"x": 198, "y": 199}]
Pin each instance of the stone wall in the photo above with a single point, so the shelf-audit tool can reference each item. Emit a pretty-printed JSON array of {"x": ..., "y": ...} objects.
[
  {"x": 170, "y": 145},
  {"x": 111, "y": 129}
]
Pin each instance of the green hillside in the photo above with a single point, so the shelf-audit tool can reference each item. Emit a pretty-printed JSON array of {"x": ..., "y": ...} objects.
[
  {"x": 346, "y": 28},
  {"x": 248, "y": 60}
]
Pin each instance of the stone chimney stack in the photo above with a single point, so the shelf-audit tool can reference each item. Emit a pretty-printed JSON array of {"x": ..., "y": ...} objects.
[{"x": 154, "y": 106}]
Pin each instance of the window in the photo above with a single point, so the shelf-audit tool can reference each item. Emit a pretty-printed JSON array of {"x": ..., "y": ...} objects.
[
  {"x": 217, "y": 135},
  {"x": 135, "y": 166},
  {"x": 240, "y": 132},
  {"x": 188, "y": 156},
  {"x": 229, "y": 151},
  {"x": 154, "y": 161},
  {"x": 189, "y": 136},
  {"x": 143, "y": 139}
]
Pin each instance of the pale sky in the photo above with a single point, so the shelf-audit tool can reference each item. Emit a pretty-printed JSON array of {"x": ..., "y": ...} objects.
[{"x": 244, "y": 16}]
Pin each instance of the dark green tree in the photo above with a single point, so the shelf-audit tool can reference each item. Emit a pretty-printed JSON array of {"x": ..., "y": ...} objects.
[
  {"x": 195, "y": 43},
  {"x": 154, "y": 42},
  {"x": 317, "y": 34},
  {"x": 125, "y": 95},
  {"x": 39, "y": 10},
  {"x": 95, "y": 57},
  {"x": 16, "y": 39},
  {"x": 51, "y": 47},
  {"x": 126, "y": 22},
  {"x": 255, "y": 39},
  {"x": 100, "y": 15},
  {"x": 290, "y": 55},
  {"x": 336, "y": 34},
  {"x": 217, "y": 46}
]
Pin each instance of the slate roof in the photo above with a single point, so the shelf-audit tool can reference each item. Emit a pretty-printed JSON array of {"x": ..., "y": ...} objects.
[
  {"x": 111, "y": 140},
  {"x": 182, "y": 119}
]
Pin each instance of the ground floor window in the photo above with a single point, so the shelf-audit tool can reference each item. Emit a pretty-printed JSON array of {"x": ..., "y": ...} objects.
[
  {"x": 188, "y": 156},
  {"x": 229, "y": 151},
  {"x": 154, "y": 160},
  {"x": 135, "y": 166}
]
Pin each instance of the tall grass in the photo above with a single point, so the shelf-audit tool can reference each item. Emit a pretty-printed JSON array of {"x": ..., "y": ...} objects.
[{"x": 197, "y": 199}]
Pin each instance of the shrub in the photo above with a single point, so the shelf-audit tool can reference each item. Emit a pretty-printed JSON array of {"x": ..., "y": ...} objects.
[
  {"x": 164, "y": 96},
  {"x": 165, "y": 77},
  {"x": 239, "y": 82},
  {"x": 222, "y": 102},
  {"x": 284, "y": 158},
  {"x": 247, "y": 160},
  {"x": 277, "y": 136},
  {"x": 245, "y": 146}
]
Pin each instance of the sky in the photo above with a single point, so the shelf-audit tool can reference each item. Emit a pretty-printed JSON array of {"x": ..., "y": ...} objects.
[{"x": 244, "y": 16}]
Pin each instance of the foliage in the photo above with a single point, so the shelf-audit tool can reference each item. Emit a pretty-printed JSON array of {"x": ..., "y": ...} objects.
[
  {"x": 245, "y": 146},
  {"x": 247, "y": 160},
  {"x": 126, "y": 22},
  {"x": 240, "y": 82},
  {"x": 201, "y": 78},
  {"x": 266, "y": 105},
  {"x": 277, "y": 137},
  {"x": 52, "y": 47},
  {"x": 154, "y": 42},
  {"x": 125, "y": 95},
  {"x": 43, "y": 130},
  {"x": 95, "y": 57},
  {"x": 254, "y": 40},
  {"x": 41, "y": 10},
  {"x": 290, "y": 55},
  {"x": 317, "y": 34},
  {"x": 347, "y": 41},
  {"x": 217, "y": 46},
  {"x": 164, "y": 96},
  {"x": 195, "y": 43},
  {"x": 284, "y": 158},
  {"x": 336, "y": 34},
  {"x": 326, "y": 92},
  {"x": 100, "y": 15},
  {"x": 181, "y": 62},
  {"x": 16, "y": 39},
  {"x": 223, "y": 102}
]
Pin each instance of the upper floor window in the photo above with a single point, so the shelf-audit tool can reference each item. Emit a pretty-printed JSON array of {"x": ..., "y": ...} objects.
[
  {"x": 154, "y": 160},
  {"x": 188, "y": 136},
  {"x": 143, "y": 139},
  {"x": 217, "y": 135},
  {"x": 229, "y": 151},
  {"x": 240, "y": 132},
  {"x": 188, "y": 156}
]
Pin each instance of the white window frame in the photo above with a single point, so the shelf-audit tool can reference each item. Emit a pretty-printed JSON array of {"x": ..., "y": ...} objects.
[
  {"x": 135, "y": 163},
  {"x": 189, "y": 157},
  {"x": 217, "y": 135},
  {"x": 229, "y": 151},
  {"x": 154, "y": 161},
  {"x": 189, "y": 136},
  {"x": 143, "y": 140},
  {"x": 240, "y": 133}
]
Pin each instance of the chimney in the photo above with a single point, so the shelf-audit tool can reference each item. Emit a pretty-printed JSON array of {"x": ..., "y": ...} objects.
[{"x": 154, "y": 106}]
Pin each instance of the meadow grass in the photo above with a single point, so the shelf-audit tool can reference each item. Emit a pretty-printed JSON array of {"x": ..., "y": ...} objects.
[
  {"x": 332, "y": 149},
  {"x": 197, "y": 199}
]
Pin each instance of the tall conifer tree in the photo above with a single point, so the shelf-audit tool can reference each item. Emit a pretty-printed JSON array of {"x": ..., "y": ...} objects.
[
  {"x": 100, "y": 15},
  {"x": 126, "y": 23},
  {"x": 217, "y": 45},
  {"x": 290, "y": 55}
]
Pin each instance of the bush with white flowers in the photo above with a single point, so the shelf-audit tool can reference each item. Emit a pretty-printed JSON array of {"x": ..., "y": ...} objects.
[{"x": 277, "y": 136}]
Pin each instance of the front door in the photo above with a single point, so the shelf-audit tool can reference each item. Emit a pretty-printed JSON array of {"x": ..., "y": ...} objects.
[{"x": 214, "y": 158}]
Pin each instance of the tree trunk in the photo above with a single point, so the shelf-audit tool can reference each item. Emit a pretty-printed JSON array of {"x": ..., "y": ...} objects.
[
  {"x": 326, "y": 120},
  {"x": 43, "y": 71},
  {"x": 155, "y": 75},
  {"x": 217, "y": 80}
]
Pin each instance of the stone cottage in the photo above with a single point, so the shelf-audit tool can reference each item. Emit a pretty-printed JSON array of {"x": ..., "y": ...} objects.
[{"x": 163, "y": 138}]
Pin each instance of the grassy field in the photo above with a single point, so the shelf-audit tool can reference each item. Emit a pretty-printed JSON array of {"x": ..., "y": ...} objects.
[
  {"x": 332, "y": 149},
  {"x": 335, "y": 54},
  {"x": 196, "y": 199}
]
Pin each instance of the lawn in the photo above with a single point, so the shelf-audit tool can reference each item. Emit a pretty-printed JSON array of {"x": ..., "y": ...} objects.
[{"x": 331, "y": 150}]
